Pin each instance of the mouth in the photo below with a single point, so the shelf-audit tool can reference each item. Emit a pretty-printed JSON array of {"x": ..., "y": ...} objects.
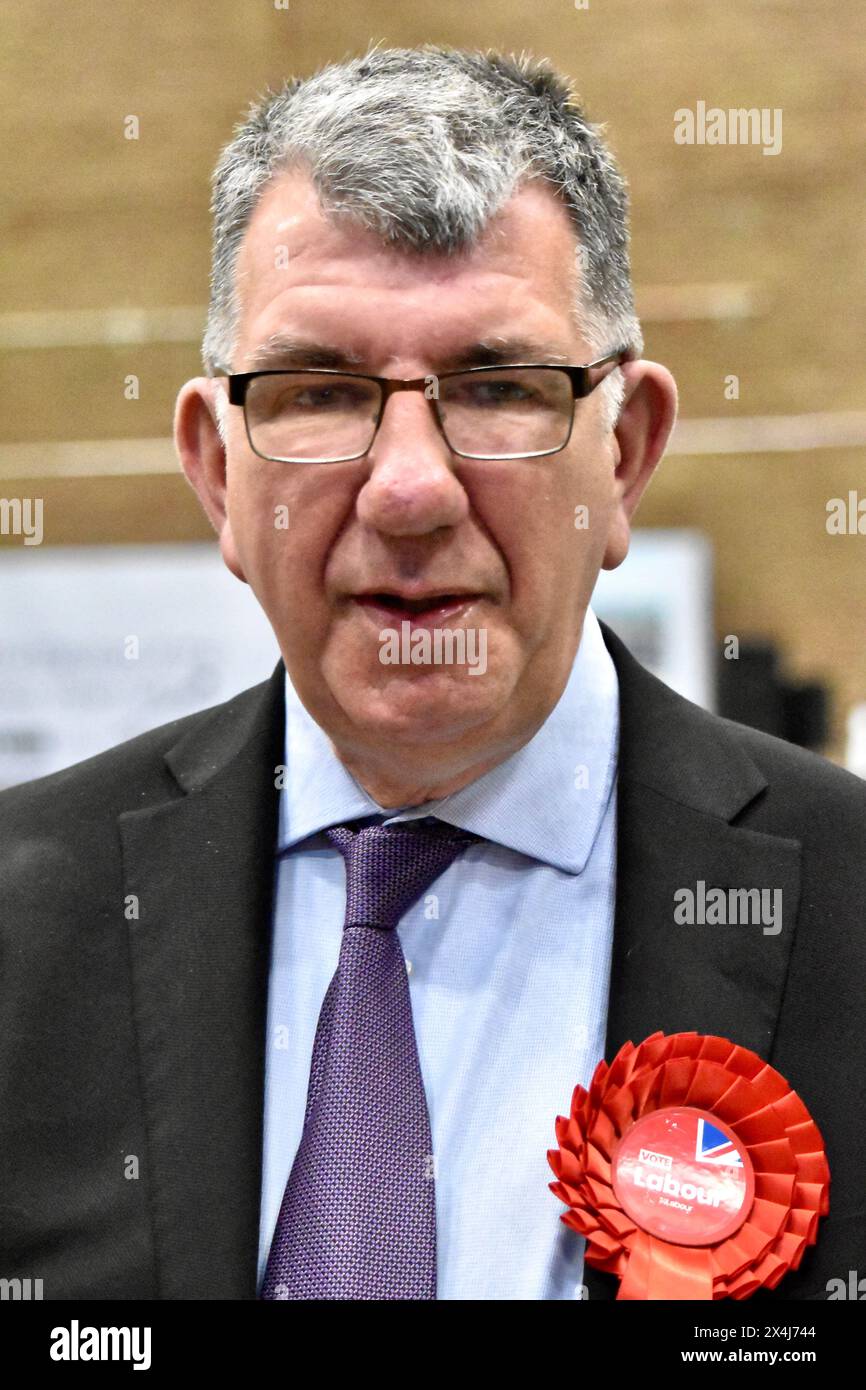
[{"x": 424, "y": 611}]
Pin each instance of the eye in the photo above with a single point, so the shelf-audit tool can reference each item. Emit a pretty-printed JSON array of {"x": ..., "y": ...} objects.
[
  {"x": 486, "y": 392},
  {"x": 502, "y": 391},
  {"x": 321, "y": 397}
]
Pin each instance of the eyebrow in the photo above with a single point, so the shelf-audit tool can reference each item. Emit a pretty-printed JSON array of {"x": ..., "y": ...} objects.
[
  {"x": 490, "y": 351},
  {"x": 282, "y": 350}
]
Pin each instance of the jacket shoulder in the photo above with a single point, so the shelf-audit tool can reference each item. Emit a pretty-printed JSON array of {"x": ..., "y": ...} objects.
[
  {"x": 127, "y": 776},
  {"x": 787, "y": 764},
  {"x": 666, "y": 738}
]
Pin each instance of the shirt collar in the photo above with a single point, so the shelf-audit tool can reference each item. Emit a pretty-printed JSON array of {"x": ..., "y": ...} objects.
[{"x": 547, "y": 800}]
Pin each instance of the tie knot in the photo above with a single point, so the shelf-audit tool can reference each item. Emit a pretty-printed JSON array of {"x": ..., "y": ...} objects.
[{"x": 389, "y": 866}]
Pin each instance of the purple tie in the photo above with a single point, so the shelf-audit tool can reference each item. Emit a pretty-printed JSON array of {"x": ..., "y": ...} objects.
[{"x": 358, "y": 1217}]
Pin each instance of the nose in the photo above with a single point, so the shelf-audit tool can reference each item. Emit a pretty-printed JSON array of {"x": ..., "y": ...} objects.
[{"x": 412, "y": 488}]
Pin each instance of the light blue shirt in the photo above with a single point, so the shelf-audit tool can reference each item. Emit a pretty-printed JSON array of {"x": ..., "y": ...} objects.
[{"x": 509, "y": 983}]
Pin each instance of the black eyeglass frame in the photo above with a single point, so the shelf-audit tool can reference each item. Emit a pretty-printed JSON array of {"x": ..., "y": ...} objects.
[{"x": 582, "y": 385}]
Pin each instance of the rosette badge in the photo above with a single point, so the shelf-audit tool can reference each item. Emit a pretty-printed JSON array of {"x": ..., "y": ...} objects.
[{"x": 692, "y": 1169}]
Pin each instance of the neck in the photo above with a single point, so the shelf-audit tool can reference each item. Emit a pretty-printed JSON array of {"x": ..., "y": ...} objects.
[{"x": 392, "y": 788}]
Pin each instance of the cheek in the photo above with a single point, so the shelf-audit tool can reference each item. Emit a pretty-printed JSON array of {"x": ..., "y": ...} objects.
[
  {"x": 556, "y": 529},
  {"x": 565, "y": 542},
  {"x": 264, "y": 511},
  {"x": 590, "y": 498}
]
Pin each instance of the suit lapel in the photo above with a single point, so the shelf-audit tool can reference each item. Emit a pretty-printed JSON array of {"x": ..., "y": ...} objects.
[
  {"x": 683, "y": 781},
  {"x": 201, "y": 867}
]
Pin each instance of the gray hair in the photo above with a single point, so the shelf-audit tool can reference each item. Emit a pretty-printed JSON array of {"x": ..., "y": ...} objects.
[{"x": 423, "y": 146}]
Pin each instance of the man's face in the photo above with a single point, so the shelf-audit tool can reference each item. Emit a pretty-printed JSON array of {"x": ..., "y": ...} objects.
[{"x": 411, "y": 515}]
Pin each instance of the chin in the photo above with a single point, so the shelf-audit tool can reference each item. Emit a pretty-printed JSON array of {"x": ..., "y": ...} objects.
[{"x": 433, "y": 707}]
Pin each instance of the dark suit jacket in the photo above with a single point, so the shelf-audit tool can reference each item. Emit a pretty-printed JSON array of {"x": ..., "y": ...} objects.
[{"x": 138, "y": 1045}]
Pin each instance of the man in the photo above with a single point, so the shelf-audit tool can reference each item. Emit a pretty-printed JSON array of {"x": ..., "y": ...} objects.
[{"x": 226, "y": 1073}]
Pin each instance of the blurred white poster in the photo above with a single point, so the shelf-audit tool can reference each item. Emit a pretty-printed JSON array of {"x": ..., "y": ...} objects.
[{"x": 103, "y": 642}]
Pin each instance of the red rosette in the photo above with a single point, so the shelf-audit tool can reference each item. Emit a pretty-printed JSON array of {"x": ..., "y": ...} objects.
[{"x": 776, "y": 1187}]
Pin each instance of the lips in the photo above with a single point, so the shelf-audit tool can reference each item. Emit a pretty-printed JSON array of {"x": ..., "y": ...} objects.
[{"x": 419, "y": 610}]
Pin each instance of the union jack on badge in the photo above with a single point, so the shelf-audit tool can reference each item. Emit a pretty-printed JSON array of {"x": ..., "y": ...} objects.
[{"x": 712, "y": 1146}]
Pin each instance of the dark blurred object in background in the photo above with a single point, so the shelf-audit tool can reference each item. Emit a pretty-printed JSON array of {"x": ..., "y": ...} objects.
[{"x": 752, "y": 691}]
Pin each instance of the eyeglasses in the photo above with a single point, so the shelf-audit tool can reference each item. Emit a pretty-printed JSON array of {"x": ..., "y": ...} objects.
[{"x": 502, "y": 412}]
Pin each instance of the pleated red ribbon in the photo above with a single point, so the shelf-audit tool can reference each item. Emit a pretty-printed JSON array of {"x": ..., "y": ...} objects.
[{"x": 773, "y": 1129}]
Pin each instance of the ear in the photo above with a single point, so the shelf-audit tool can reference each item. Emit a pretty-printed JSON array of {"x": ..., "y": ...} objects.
[
  {"x": 641, "y": 434},
  {"x": 203, "y": 458}
]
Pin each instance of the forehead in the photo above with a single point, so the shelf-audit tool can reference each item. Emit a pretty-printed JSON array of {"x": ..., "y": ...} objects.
[{"x": 298, "y": 271}]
